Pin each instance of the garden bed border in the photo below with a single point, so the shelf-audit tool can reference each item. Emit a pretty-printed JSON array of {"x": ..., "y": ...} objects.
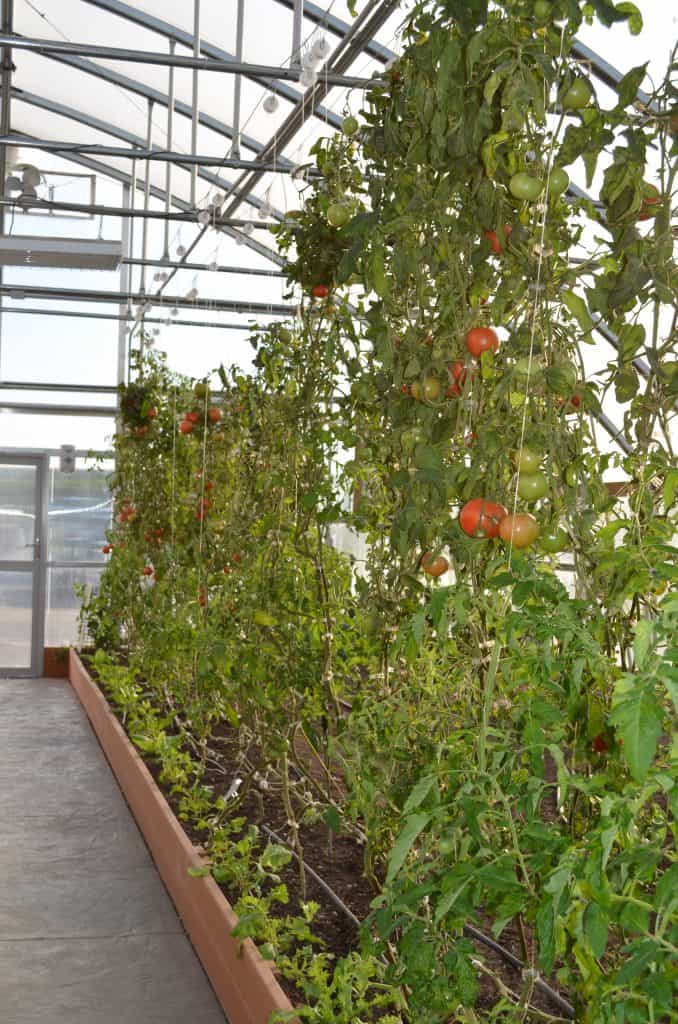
[{"x": 244, "y": 983}]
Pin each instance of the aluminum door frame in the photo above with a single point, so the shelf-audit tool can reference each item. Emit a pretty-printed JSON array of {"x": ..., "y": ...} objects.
[{"x": 38, "y": 567}]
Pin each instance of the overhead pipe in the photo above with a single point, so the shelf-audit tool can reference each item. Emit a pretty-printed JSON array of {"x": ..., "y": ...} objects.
[
  {"x": 96, "y": 210},
  {"x": 174, "y": 322},
  {"x": 19, "y": 292},
  {"x": 45, "y": 47},
  {"x": 153, "y": 153},
  {"x": 207, "y": 267}
]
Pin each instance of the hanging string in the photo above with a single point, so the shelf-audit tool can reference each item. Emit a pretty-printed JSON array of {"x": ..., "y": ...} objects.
[{"x": 537, "y": 289}]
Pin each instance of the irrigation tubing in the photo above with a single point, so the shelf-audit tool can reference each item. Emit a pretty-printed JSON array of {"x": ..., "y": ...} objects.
[
  {"x": 566, "y": 1008},
  {"x": 339, "y": 904},
  {"x": 470, "y": 932}
]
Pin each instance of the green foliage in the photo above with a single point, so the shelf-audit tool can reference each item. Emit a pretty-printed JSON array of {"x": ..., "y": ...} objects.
[{"x": 500, "y": 743}]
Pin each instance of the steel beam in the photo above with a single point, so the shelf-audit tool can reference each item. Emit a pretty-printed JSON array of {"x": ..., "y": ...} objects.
[
  {"x": 237, "y": 87},
  {"x": 153, "y": 153},
  {"x": 169, "y": 31},
  {"x": 195, "y": 106},
  {"x": 24, "y": 204},
  {"x": 24, "y": 291},
  {"x": 127, "y": 318},
  {"x": 152, "y": 57}
]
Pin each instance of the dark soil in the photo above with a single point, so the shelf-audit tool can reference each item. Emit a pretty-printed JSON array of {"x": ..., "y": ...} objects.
[{"x": 338, "y": 860}]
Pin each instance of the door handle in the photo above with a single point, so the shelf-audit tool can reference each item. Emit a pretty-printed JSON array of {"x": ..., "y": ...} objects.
[{"x": 36, "y": 547}]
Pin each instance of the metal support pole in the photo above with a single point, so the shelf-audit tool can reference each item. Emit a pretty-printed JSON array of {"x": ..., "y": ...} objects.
[
  {"x": 298, "y": 19},
  {"x": 147, "y": 196},
  {"x": 125, "y": 288},
  {"x": 209, "y": 267},
  {"x": 239, "y": 37},
  {"x": 174, "y": 322},
  {"x": 194, "y": 99},
  {"x": 42, "y": 293},
  {"x": 5, "y": 119},
  {"x": 168, "y": 169}
]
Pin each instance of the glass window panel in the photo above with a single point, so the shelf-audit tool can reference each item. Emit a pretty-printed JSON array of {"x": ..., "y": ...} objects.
[
  {"x": 17, "y": 512},
  {"x": 79, "y": 513},
  {"x": 16, "y": 619},
  {"x": 20, "y": 430},
  {"x": 63, "y": 605}
]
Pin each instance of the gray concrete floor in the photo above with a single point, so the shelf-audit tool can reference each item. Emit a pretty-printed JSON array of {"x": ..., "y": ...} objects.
[{"x": 88, "y": 934}]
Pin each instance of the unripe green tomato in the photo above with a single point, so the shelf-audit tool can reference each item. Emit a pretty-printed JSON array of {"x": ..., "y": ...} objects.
[
  {"x": 578, "y": 95},
  {"x": 562, "y": 378},
  {"x": 285, "y": 335},
  {"x": 201, "y": 390},
  {"x": 527, "y": 461},
  {"x": 349, "y": 125},
  {"x": 526, "y": 369},
  {"x": 525, "y": 186},
  {"x": 430, "y": 389},
  {"x": 558, "y": 181},
  {"x": 446, "y": 846},
  {"x": 553, "y": 540},
  {"x": 416, "y": 390},
  {"x": 338, "y": 214},
  {"x": 572, "y": 475},
  {"x": 532, "y": 486},
  {"x": 410, "y": 438},
  {"x": 542, "y": 10}
]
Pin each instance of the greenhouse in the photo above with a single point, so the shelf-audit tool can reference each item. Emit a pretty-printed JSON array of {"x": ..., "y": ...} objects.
[{"x": 338, "y": 511}]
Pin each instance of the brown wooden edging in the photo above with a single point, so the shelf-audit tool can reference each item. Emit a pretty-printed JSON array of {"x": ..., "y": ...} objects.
[
  {"x": 244, "y": 984},
  {"x": 56, "y": 663}
]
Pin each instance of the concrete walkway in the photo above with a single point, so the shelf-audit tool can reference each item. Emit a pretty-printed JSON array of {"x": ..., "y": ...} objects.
[{"x": 88, "y": 934}]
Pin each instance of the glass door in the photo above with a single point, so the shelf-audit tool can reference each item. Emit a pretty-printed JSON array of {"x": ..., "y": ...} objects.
[{"x": 23, "y": 515}]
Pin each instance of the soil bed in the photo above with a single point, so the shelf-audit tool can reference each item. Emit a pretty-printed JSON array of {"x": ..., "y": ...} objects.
[{"x": 340, "y": 867}]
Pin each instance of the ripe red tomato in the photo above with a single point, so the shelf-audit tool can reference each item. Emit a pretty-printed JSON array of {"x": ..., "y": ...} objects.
[
  {"x": 481, "y": 339},
  {"x": 140, "y": 431},
  {"x": 405, "y": 389},
  {"x": 320, "y": 291},
  {"x": 152, "y": 413},
  {"x": 186, "y": 427},
  {"x": 148, "y": 570},
  {"x": 521, "y": 529},
  {"x": 107, "y": 548},
  {"x": 493, "y": 238},
  {"x": 236, "y": 558},
  {"x": 202, "y": 597},
  {"x": 434, "y": 566},
  {"x": 480, "y": 518},
  {"x": 214, "y": 414},
  {"x": 192, "y": 417},
  {"x": 599, "y": 744},
  {"x": 457, "y": 375}
]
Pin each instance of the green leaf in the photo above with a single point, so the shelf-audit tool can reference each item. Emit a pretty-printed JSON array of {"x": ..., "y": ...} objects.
[
  {"x": 579, "y": 310},
  {"x": 419, "y": 794},
  {"x": 595, "y": 929},
  {"x": 629, "y": 85},
  {"x": 633, "y": 15},
  {"x": 670, "y": 487},
  {"x": 414, "y": 826},
  {"x": 637, "y": 717},
  {"x": 643, "y": 644}
]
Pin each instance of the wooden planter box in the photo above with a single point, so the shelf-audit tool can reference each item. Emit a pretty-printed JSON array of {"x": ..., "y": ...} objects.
[
  {"x": 56, "y": 663},
  {"x": 244, "y": 984}
]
